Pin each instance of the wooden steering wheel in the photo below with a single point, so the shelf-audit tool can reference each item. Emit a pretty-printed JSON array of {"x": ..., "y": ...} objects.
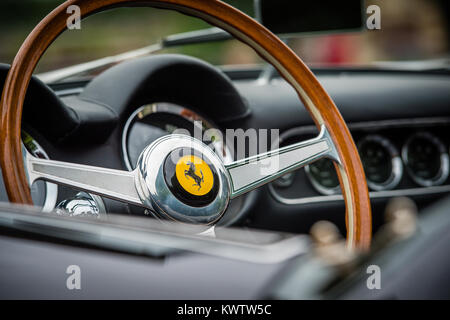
[{"x": 335, "y": 141}]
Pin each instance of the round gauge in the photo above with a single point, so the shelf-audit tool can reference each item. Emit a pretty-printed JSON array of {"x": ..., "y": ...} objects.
[
  {"x": 381, "y": 161},
  {"x": 153, "y": 121},
  {"x": 44, "y": 194},
  {"x": 285, "y": 180},
  {"x": 426, "y": 159},
  {"x": 323, "y": 177}
]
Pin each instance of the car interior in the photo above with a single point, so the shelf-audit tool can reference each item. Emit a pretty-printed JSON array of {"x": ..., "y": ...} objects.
[{"x": 86, "y": 130}]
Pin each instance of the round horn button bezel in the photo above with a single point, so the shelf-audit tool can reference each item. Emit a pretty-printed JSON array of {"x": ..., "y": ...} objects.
[
  {"x": 171, "y": 163},
  {"x": 155, "y": 192}
]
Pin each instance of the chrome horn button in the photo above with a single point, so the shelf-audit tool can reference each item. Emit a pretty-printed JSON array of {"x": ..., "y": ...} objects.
[
  {"x": 191, "y": 177},
  {"x": 182, "y": 179}
]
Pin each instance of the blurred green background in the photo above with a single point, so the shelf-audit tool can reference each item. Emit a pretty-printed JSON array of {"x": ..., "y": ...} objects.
[
  {"x": 411, "y": 30},
  {"x": 107, "y": 33}
]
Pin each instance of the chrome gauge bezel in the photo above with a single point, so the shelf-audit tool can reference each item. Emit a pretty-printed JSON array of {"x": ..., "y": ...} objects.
[
  {"x": 298, "y": 135},
  {"x": 396, "y": 163},
  {"x": 318, "y": 186},
  {"x": 443, "y": 173},
  {"x": 148, "y": 109},
  {"x": 51, "y": 189}
]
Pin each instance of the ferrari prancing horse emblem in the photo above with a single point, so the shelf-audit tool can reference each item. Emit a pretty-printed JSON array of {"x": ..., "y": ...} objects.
[
  {"x": 191, "y": 173},
  {"x": 194, "y": 175}
]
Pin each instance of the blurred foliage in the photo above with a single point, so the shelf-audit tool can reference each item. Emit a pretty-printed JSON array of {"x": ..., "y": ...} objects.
[{"x": 107, "y": 33}]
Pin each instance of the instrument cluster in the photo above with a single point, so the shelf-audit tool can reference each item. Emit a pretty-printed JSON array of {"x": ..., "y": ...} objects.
[{"x": 394, "y": 159}]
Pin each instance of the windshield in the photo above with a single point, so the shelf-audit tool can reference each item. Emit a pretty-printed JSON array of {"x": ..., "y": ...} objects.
[{"x": 411, "y": 30}]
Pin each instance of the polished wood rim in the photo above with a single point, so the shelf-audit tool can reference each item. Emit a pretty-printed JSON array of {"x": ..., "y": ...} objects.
[{"x": 266, "y": 44}]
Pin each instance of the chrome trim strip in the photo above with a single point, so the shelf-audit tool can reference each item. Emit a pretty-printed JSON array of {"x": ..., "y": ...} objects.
[
  {"x": 69, "y": 92},
  {"x": 63, "y": 73},
  {"x": 396, "y": 123},
  {"x": 370, "y": 125},
  {"x": 373, "y": 195},
  {"x": 195, "y": 37}
]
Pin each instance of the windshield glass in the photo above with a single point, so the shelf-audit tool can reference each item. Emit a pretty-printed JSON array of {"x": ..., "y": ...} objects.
[{"x": 411, "y": 30}]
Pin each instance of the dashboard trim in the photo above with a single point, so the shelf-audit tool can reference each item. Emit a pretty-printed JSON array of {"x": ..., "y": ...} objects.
[
  {"x": 371, "y": 125},
  {"x": 373, "y": 195}
]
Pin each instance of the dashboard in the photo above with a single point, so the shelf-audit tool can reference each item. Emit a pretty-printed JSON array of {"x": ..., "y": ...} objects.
[{"x": 400, "y": 122}]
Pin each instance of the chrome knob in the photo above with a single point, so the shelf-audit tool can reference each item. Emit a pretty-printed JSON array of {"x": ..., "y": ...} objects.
[{"x": 82, "y": 205}]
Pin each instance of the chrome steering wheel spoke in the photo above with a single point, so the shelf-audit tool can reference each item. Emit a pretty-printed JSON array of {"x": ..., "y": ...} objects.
[
  {"x": 253, "y": 172},
  {"x": 110, "y": 183}
]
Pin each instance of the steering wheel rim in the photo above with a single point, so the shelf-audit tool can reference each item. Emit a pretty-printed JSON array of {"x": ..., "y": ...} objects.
[{"x": 266, "y": 44}]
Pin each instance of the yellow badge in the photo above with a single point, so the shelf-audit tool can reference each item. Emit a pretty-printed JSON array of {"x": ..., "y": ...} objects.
[{"x": 194, "y": 175}]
